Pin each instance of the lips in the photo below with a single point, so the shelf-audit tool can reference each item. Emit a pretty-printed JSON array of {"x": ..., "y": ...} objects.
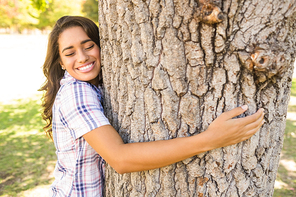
[{"x": 87, "y": 67}]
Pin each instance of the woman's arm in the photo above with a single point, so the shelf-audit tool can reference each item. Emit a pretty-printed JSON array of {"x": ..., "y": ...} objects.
[{"x": 141, "y": 156}]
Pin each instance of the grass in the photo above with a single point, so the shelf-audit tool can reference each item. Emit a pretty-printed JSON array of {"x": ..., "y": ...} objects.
[
  {"x": 27, "y": 156},
  {"x": 293, "y": 88}
]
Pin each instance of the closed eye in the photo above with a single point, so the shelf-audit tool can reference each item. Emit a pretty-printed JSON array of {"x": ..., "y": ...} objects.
[
  {"x": 90, "y": 46},
  {"x": 69, "y": 54}
]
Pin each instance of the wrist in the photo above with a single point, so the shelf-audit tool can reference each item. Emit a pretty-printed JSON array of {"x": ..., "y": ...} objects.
[{"x": 205, "y": 142}]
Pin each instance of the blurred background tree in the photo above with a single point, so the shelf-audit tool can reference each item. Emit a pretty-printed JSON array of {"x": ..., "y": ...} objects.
[
  {"x": 90, "y": 9},
  {"x": 19, "y": 15},
  {"x": 15, "y": 14},
  {"x": 53, "y": 11}
]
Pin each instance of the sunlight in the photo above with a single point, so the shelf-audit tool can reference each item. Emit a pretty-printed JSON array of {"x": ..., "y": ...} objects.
[
  {"x": 292, "y": 101},
  {"x": 290, "y": 165},
  {"x": 39, "y": 191},
  {"x": 280, "y": 184},
  {"x": 27, "y": 66},
  {"x": 6, "y": 179}
]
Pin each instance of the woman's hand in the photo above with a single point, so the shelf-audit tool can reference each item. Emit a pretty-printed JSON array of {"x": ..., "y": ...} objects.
[{"x": 225, "y": 130}]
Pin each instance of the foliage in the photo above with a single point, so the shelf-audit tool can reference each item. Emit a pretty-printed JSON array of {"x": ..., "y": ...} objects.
[
  {"x": 57, "y": 9},
  {"x": 16, "y": 14},
  {"x": 42, "y": 14},
  {"x": 41, "y": 4},
  {"x": 90, "y": 9},
  {"x": 27, "y": 156},
  {"x": 6, "y": 13}
]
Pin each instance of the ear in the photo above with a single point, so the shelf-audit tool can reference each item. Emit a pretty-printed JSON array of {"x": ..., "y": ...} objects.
[{"x": 62, "y": 66}]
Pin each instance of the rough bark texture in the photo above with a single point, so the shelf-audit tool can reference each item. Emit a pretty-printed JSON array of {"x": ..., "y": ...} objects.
[{"x": 171, "y": 67}]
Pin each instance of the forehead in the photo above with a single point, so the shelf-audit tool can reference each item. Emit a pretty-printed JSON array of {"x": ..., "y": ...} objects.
[{"x": 72, "y": 36}]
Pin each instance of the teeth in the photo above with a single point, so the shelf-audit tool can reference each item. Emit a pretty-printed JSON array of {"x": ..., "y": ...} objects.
[{"x": 86, "y": 67}]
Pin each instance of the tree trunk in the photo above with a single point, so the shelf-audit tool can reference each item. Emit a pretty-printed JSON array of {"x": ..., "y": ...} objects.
[{"x": 171, "y": 67}]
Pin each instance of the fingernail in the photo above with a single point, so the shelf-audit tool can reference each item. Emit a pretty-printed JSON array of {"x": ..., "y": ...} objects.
[{"x": 244, "y": 107}]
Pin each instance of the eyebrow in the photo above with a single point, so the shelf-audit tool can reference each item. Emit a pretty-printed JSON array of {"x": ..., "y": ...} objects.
[{"x": 82, "y": 42}]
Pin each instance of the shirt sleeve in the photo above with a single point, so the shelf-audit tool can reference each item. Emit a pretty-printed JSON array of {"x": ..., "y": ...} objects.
[{"x": 80, "y": 109}]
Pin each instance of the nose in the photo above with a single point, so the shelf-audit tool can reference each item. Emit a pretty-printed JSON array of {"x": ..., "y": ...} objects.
[{"x": 82, "y": 56}]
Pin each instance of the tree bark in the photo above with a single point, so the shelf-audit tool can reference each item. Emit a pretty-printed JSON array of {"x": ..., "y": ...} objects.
[{"x": 170, "y": 67}]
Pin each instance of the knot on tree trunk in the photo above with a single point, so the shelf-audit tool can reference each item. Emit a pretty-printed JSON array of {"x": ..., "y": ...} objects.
[
  {"x": 210, "y": 13},
  {"x": 267, "y": 61},
  {"x": 270, "y": 61}
]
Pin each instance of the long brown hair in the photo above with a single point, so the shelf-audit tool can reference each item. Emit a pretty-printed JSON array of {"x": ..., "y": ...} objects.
[{"x": 52, "y": 68}]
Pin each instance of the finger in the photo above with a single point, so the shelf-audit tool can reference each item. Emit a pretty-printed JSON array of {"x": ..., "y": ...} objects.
[
  {"x": 235, "y": 112},
  {"x": 256, "y": 124},
  {"x": 251, "y": 132},
  {"x": 252, "y": 118}
]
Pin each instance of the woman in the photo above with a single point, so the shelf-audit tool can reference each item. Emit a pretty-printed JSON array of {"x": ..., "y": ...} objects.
[{"x": 83, "y": 135}]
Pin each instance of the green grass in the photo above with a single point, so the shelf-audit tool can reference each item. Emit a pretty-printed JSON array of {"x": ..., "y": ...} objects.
[
  {"x": 27, "y": 156},
  {"x": 293, "y": 88}
]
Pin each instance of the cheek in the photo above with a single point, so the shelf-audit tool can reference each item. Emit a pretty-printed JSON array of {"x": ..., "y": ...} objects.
[
  {"x": 67, "y": 61},
  {"x": 98, "y": 52}
]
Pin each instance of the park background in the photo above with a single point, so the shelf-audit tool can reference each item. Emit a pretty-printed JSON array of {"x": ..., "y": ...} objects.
[{"x": 27, "y": 156}]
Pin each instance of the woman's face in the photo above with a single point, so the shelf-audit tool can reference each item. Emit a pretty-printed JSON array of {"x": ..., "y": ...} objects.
[{"x": 80, "y": 56}]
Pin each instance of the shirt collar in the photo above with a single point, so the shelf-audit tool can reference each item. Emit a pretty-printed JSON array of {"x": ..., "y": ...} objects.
[{"x": 67, "y": 78}]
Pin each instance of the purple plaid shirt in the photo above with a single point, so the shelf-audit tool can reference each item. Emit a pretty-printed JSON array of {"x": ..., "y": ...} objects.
[{"x": 77, "y": 110}]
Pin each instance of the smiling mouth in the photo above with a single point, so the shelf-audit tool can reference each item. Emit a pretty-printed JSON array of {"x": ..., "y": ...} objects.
[{"x": 86, "y": 67}]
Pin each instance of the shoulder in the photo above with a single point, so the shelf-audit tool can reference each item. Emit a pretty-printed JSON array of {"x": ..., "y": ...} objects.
[
  {"x": 70, "y": 85},
  {"x": 77, "y": 86},
  {"x": 79, "y": 90}
]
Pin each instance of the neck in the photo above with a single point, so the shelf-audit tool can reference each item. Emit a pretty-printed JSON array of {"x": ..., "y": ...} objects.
[{"x": 95, "y": 81}]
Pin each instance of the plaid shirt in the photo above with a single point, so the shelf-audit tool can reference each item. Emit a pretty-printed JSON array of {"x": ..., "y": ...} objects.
[{"x": 77, "y": 110}]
